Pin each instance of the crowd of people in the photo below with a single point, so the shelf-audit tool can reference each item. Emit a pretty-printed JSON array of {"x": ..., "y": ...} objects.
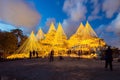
[
  {"x": 33, "y": 54},
  {"x": 107, "y": 56}
]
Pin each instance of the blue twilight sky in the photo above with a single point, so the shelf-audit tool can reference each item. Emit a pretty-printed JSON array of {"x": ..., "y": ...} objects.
[{"x": 28, "y": 15}]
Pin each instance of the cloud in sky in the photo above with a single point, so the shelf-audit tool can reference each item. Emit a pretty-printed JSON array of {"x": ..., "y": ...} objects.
[
  {"x": 110, "y": 7},
  {"x": 114, "y": 26},
  {"x": 49, "y": 21},
  {"x": 76, "y": 11},
  {"x": 96, "y": 9},
  {"x": 111, "y": 32},
  {"x": 22, "y": 14},
  {"x": 101, "y": 30},
  {"x": 112, "y": 39},
  {"x": 69, "y": 26},
  {"x": 47, "y": 24},
  {"x": 19, "y": 13}
]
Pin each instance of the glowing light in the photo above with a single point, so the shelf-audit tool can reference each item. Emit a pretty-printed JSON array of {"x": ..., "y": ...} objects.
[
  {"x": 85, "y": 39},
  {"x": 29, "y": 45}
]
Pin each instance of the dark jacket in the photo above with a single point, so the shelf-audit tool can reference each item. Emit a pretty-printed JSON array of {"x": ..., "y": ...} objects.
[{"x": 108, "y": 55}]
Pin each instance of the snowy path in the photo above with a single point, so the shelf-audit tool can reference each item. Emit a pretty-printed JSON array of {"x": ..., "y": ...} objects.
[{"x": 68, "y": 69}]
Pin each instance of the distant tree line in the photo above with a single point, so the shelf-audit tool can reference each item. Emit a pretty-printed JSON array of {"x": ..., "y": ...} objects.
[{"x": 10, "y": 41}]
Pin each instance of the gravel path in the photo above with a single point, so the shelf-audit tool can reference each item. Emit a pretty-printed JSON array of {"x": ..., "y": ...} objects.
[{"x": 67, "y": 69}]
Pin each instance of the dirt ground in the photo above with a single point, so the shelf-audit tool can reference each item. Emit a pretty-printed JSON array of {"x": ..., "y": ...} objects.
[{"x": 67, "y": 69}]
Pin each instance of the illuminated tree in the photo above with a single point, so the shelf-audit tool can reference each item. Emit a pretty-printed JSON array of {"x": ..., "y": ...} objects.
[
  {"x": 31, "y": 44},
  {"x": 49, "y": 37},
  {"x": 40, "y": 35},
  {"x": 60, "y": 40}
]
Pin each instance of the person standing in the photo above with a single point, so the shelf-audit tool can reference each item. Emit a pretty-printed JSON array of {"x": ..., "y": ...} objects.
[
  {"x": 52, "y": 56},
  {"x": 33, "y": 52},
  {"x": 36, "y": 54},
  {"x": 108, "y": 58},
  {"x": 60, "y": 56},
  {"x": 79, "y": 53},
  {"x": 30, "y": 54}
]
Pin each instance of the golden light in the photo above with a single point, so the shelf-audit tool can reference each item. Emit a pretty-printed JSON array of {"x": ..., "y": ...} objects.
[{"x": 85, "y": 39}]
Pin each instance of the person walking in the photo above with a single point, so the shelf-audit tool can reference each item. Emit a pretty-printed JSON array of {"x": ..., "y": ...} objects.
[{"x": 108, "y": 58}]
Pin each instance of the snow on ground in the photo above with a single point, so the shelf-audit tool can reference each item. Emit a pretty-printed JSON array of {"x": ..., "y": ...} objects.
[{"x": 67, "y": 69}]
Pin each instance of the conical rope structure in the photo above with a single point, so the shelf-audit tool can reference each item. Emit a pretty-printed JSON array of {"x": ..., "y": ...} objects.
[
  {"x": 84, "y": 39},
  {"x": 31, "y": 44},
  {"x": 76, "y": 38},
  {"x": 49, "y": 37},
  {"x": 88, "y": 32},
  {"x": 60, "y": 40},
  {"x": 40, "y": 35}
]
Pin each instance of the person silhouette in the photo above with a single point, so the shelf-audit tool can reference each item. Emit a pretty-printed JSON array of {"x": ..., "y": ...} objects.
[
  {"x": 60, "y": 56},
  {"x": 36, "y": 54},
  {"x": 52, "y": 56},
  {"x": 69, "y": 52},
  {"x": 108, "y": 58},
  {"x": 79, "y": 53},
  {"x": 30, "y": 54},
  {"x": 33, "y": 52}
]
